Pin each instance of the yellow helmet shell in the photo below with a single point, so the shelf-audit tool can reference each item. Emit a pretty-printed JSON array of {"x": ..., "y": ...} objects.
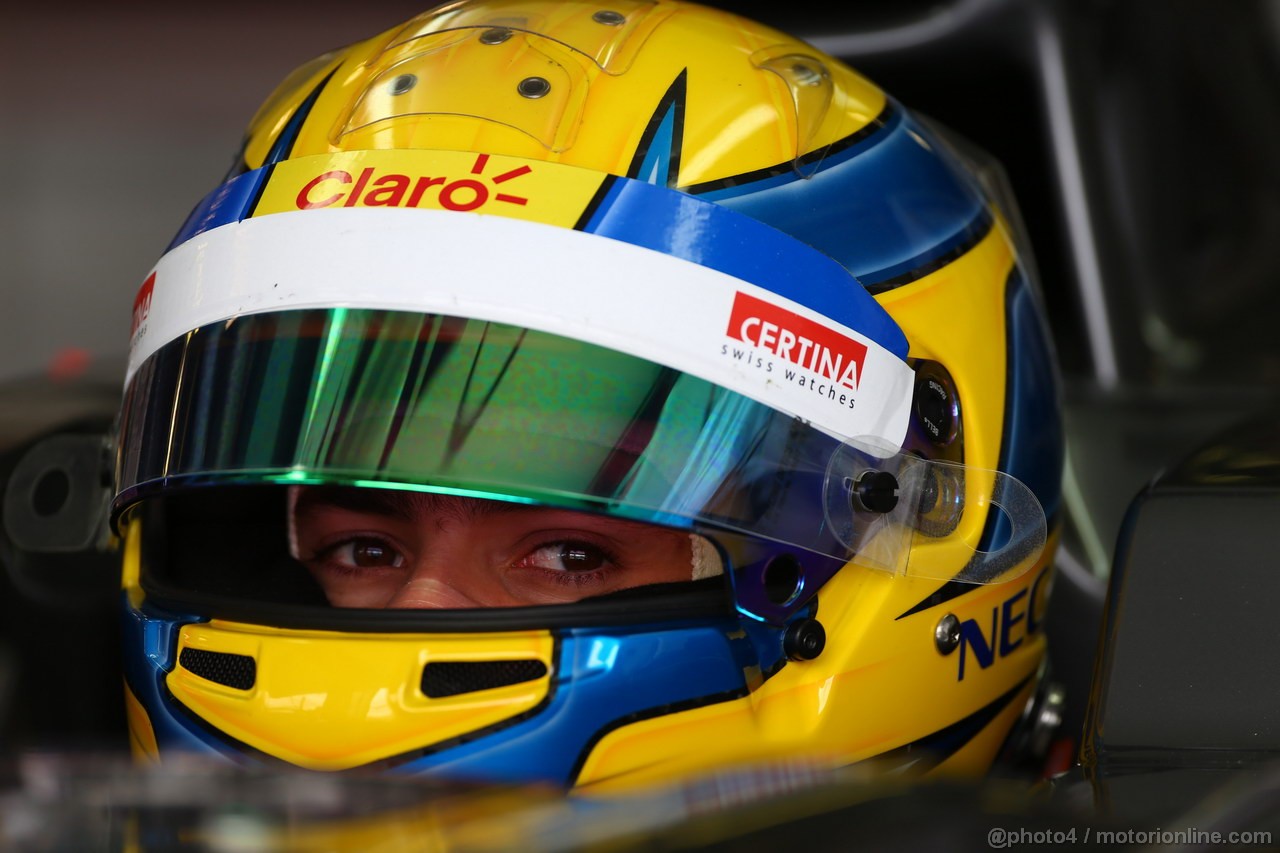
[
  {"x": 913, "y": 670},
  {"x": 561, "y": 81}
]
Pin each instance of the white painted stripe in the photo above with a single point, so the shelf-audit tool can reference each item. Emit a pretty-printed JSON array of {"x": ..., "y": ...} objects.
[{"x": 602, "y": 291}]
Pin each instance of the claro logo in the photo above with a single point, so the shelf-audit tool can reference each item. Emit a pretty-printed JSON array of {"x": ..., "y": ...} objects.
[
  {"x": 797, "y": 339},
  {"x": 371, "y": 188}
]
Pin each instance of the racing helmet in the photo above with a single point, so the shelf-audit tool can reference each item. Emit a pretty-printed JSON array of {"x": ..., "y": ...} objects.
[{"x": 597, "y": 269}]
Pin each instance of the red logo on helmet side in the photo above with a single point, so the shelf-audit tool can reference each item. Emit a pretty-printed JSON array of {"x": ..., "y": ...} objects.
[
  {"x": 797, "y": 339},
  {"x": 142, "y": 306},
  {"x": 369, "y": 188}
]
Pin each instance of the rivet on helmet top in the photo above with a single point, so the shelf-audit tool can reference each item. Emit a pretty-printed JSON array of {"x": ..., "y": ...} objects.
[
  {"x": 946, "y": 636},
  {"x": 495, "y": 35},
  {"x": 609, "y": 18},
  {"x": 533, "y": 87},
  {"x": 403, "y": 83}
]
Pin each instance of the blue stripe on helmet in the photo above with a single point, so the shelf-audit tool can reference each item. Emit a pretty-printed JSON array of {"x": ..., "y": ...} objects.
[{"x": 882, "y": 207}]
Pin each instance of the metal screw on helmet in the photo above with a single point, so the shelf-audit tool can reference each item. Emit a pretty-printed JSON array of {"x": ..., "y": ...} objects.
[
  {"x": 403, "y": 83},
  {"x": 875, "y": 491},
  {"x": 1048, "y": 719},
  {"x": 495, "y": 35},
  {"x": 946, "y": 636},
  {"x": 805, "y": 639},
  {"x": 609, "y": 18},
  {"x": 533, "y": 87}
]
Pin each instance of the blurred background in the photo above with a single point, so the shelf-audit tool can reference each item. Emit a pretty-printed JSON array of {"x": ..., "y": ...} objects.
[
  {"x": 1139, "y": 138},
  {"x": 117, "y": 119}
]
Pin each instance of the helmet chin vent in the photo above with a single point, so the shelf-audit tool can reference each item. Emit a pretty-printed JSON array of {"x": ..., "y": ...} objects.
[
  {"x": 452, "y": 678},
  {"x": 238, "y": 671}
]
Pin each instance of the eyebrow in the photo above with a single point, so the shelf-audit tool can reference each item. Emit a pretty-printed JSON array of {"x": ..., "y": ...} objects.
[
  {"x": 411, "y": 506},
  {"x": 404, "y": 505}
]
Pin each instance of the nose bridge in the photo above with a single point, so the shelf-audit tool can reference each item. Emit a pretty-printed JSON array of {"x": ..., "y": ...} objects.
[
  {"x": 446, "y": 559},
  {"x": 427, "y": 589}
]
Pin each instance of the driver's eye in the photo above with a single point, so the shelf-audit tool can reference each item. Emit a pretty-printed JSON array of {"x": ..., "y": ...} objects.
[
  {"x": 569, "y": 557},
  {"x": 581, "y": 558},
  {"x": 370, "y": 553}
]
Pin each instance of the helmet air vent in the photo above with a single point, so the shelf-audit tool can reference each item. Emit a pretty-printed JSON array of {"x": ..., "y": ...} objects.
[
  {"x": 452, "y": 678},
  {"x": 783, "y": 579},
  {"x": 238, "y": 671}
]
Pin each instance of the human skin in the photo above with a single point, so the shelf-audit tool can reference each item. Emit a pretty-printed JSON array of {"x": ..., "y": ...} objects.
[{"x": 387, "y": 549}]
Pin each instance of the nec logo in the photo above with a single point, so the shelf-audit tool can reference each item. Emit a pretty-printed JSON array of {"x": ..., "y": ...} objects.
[
  {"x": 370, "y": 188},
  {"x": 1016, "y": 619},
  {"x": 797, "y": 339}
]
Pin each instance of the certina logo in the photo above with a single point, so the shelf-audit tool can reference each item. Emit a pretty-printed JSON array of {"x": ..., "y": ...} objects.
[
  {"x": 798, "y": 340},
  {"x": 142, "y": 307},
  {"x": 370, "y": 188}
]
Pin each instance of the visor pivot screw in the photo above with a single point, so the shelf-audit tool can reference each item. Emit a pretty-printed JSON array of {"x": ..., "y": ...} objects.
[
  {"x": 403, "y": 83},
  {"x": 947, "y": 635},
  {"x": 495, "y": 35},
  {"x": 533, "y": 87},
  {"x": 805, "y": 639},
  {"x": 875, "y": 491},
  {"x": 609, "y": 18}
]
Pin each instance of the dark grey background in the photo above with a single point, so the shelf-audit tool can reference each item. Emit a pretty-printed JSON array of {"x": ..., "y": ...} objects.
[{"x": 115, "y": 120}]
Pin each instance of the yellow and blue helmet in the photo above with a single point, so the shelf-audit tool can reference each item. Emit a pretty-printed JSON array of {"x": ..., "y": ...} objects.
[{"x": 644, "y": 263}]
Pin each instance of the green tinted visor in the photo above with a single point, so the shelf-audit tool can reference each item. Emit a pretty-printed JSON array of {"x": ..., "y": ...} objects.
[
  {"x": 448, "y": 405},
  {"x": 467, "y": 407}
]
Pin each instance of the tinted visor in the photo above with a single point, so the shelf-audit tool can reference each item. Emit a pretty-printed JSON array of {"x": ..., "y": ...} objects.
[{"x": 478, "y": 409}]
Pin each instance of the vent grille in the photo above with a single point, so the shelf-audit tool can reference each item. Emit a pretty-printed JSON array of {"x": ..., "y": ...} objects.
[
  {"x": 238, "y": 671},
  {"x": 451, "y": 678}
]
